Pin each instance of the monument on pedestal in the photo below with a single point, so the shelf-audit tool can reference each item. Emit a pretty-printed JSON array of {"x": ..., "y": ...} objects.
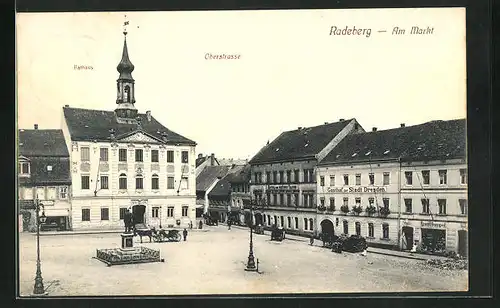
[{"x": 127, "y": 253}]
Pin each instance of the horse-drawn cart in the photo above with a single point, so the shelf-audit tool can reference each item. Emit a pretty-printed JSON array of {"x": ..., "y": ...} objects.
[
  {"x": 277, "y": 234},
  {"x": 166, "y": 235},
  {"x": 259, "y": 229}
]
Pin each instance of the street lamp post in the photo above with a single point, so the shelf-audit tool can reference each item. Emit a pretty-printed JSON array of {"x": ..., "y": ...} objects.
[
  {"x": 251, "y": 260},
  {"x": 39, "y": 288}
]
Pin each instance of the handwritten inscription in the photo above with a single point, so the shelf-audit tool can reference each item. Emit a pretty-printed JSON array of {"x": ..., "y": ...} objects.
[
  {"x": 83, "y": 67},
  {"x": 415, "y": 30},
  {"x": 360, "y": 189},
  {"x": 209, "y": 56},
  {"x": 350, "y": 31},
  {"x": 366, "y": 32}
]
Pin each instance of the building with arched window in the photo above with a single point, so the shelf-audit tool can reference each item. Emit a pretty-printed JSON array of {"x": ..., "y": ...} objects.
[
  {"x": 124, "y": 159},
  {"x": 399, "y": 187},
  {"x": 283, "y": 181}
]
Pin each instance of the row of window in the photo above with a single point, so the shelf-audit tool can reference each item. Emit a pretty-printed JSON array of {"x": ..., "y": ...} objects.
[
  {"x": 357, "y": 201},
  {"x": 408, "y": 204},
  {"x": 155, "y": 212},
  {"x": 240, "y": 188},
  {"x": 423, "y": 178},
  {"x": 44, "y": 193},
  {"x": 139, "y": 155},
  {"x": 308, "y": 224},
  {"x": 462, "y": 203},
  {"x": 290, "y": 200},
  {"x": 278, "y": 177},
  {"x": 139, "y": 182},
  {"x": 371, "y": 229}
]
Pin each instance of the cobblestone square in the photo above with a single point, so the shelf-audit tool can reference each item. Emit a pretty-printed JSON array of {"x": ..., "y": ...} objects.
[{"x": 213, "y": 262}]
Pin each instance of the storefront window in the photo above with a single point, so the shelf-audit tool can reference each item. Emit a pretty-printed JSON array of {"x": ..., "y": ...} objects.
[
  {"x": 433, "y": 240},
  {"x": 385, "y": 231},
  {"x": 358, "y": 228},
  {"x": 346, "y": 227},
  {"x": 370, "y": 230}
]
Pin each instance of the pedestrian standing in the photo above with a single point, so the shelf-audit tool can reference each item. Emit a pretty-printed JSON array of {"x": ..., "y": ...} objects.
[
  {"x": 201, "y": 224},
  {"x": 185, "y": 234},
  {"x": 311, "y": 240},
  {"x": 191, "y": 224},
  {"x": 229, "y": 225}
]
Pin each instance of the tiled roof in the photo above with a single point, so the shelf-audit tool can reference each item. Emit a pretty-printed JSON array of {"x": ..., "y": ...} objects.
[
  {"x": 223, "y": 187},
  {"x": 42, "y": 142},
  {"x": 241, "y": 176},
  {"x": 427, "y": 141},
  {"x": 89, "y": 125},
  {"x": 209, "y": 175},
  {"x": 231, "y": 161},
  {"x": 40, "y": 174},
  {"x": 200, "y": 160},
  {"x": 299, "y": 143}
]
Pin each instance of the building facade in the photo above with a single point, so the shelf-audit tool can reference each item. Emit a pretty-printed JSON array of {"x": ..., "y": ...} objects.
[
  {"x": 283, "y": 176},
  {"x": 43, "y": 175},
  {"x": 224, "y": 203},
  {"x": 240, "y": 193},
  {"x": 398, "y": 188},
  {"x": 124, "y": 159}
]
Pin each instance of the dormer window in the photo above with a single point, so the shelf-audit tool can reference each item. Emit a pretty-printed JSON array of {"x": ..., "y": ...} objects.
[{"x": 24, "y": 168}]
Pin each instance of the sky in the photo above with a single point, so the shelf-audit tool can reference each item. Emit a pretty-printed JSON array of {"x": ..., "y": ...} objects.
[{"x": 290, "y": 72}]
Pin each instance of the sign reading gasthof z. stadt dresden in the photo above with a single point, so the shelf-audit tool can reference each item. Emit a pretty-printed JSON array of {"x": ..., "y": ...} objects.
[{"x": 358, "y": 189}]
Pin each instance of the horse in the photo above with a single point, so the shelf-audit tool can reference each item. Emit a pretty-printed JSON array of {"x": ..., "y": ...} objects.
[
  {"x": 327, "y": 239},
  {"x": 141, "y": 233}
]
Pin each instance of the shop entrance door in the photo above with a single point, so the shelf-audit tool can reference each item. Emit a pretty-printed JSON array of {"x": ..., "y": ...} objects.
[
  {"x": 138, "y": 213},
  {"x": 408, "y": 237},
  {"x": 462, "y": 243}
]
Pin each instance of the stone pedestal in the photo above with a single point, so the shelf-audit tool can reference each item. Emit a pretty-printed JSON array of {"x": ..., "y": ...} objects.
[{"x": 127, "y": 240}]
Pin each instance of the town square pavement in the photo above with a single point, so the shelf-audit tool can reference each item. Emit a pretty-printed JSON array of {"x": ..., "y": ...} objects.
[{"x": 213, "y": 262}]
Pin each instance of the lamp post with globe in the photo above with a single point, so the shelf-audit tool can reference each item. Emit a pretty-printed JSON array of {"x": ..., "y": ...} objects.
[
  {"x": 39, "y": 288},
  {"x": 251, "y": 259}
]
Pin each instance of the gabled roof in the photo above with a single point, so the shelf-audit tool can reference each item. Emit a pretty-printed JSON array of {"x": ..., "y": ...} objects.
[
  {"x": 41, "y": 175},
  {"x": 200, "y": 160},
  {"x": 42, "y": 142},
  {"x": 90, "y": 125},
  {"x": 300, "y": 143},
  {"x": 240, "y": 176},
  {"x": 223, "y": 187},
  {"x": 433, "y": 140},
  {"x": 208, "y": 176}
]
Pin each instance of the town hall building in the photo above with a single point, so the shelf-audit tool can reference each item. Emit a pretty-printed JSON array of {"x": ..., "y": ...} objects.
[{"x": 124, "y": 159}]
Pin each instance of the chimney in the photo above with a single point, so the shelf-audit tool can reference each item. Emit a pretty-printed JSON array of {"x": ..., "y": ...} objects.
[
  {"x": 402, "y": 125},
  {"x": 36, "y": 126},
  {"x": 200, "y": 155},
  {"x": 148, "y": 115},
  {"x": 300, "y": 127},
  {"x": 67, "y": 106},
  {"x": 326, "y": 123},
  {"x": 374, "y": 129},
  {"x": 341, "y": 120},
  {"x": 356, "y": 125},
  {"x": 212, "y": 159}
]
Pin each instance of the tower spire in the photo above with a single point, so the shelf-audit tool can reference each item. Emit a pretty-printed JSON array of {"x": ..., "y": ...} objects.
[
  {"x": 125, "y": 67},
  {"x": 125, "y": 97}
]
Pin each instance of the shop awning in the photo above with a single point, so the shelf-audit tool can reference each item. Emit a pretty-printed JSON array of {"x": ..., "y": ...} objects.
[{"x": 56, "y": 212}]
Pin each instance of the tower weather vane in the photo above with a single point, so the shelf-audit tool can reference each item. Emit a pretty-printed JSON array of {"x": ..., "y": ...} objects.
[{"x": 125, "y": 24}]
